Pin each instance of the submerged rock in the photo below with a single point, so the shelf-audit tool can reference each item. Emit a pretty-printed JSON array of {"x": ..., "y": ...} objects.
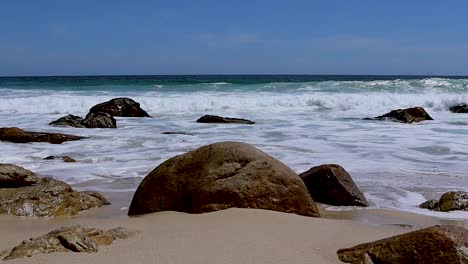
[
  {"x": 449, "y": 201},
  {"x": 64, "y": 158},
  {"x": 219, "y": 119},
  {"x": 99, "y": 120},
  {"x": 409, "y": 115},
  {"x": 16, "y": 135},
  {"x": 124, "y": 107},
  {"x": 177, "y": 133},
  {"x": 34, "y": 196},
  {"x": 332, "y": 184},
  {"x": 221, "y": 176},
  {"x": 67, "y": 239},
  {"x": 69, "y": 120},
  {"x": 459, "y": 108},
  {"x": 437, "y": 244}
]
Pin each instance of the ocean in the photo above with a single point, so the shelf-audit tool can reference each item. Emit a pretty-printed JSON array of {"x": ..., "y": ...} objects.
[{"x": 303, "y": 121}]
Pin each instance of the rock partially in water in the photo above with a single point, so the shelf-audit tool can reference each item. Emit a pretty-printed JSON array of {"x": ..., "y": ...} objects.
[
  {"x": 177, "y": 133},
  {"x": 43, "y": 196},
  {"x": 332, "y": 184},
  {"x": 437, "y": 244},
  {"x": 459, "y": 108},
  {"x": 67, "y": 239},
  {"x": 17, "y": 135},
  {"x": 225, "y": 120},
  {"x": 221, "y": 176},
  {"x": 12, "y": 176},
  {"x": 449, "y": 201},
  {"x": 99, "y": 120},
  {"x": 69, "y": 120},
  {"x": 124, "y": 107},
  {"x": 409, "y": 115},
  {"x": 64, "y": 158}
]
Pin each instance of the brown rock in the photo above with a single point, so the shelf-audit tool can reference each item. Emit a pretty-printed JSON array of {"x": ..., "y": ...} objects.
[
  {"x": 120, "y": 107},
  {"x": 69, "y": 120},
  {"x": 409, "y": 115},
  {"x": 331, "y": 184},
  {"x": 16, "y": 135},
  {"x": 12, "y": 176},
  {"x": 220, "y": 176},
  {"x": 67, "y": 239},
  {"x": 431, "y": 205},
  {"x": 449, "y": 201},
  {"x": 64, "y": 158},
  {"x": 99, "y": 120},
  {"x": 437, "y": 244},
  {"x": 226, "y": 120}
]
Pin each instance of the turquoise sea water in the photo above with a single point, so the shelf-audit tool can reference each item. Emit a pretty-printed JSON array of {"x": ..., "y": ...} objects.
[{"x": 302, "y": 120}]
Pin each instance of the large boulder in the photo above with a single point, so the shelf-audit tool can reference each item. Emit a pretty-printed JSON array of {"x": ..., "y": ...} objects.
[
  {"x": 67, "y": 239},
  {"x": 99, "y": 120},
  {"x": 409, "y": 115},
  {"x": 220, "y": 176},
  {"x": 437, "y": 244},
  {"x": 459, "y": 108},
  {"x": 68, "y": 120},
  {"x": 124, "y": 107},
  {"x": 225, "y": 120},
  {"x": 332, "y": 184},
  {"x": 449, "y": 201},
  {"x": 35, "y": 196},
  {"x": 17, "y": 135},
  {"x": 12, "y": 176}
]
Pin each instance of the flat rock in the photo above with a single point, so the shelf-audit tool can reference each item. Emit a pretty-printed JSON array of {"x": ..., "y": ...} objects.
[
  {"x": 332, "y": 184},
  {"x": 459, "y": 108},
  {"x": 449, "y": 201},
  {"x": 437, "y": 244},
  {"x": 17, "y": 135},
  {"x": 64, "y": 158},
  {"x": 45, "y": 197},
  {"x": 12, "y": 176},
  {"x": 67, "y": 239},
  {"x": 408, "y": 115},
  {"x": 225, "y": 120},
  {"x": 99, "y": 120},
  {"x": 69, "y": 120},
  {"x": 221, "y": 176},
  {"x": 177, "y": 133},
  {"x": 124, "y": 107}
]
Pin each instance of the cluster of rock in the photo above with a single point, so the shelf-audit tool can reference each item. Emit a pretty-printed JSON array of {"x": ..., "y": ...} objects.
[
  {"x": 67, "y": 239},
  {"x": 17, "y": 135},
  {"x": 102, "y": 115},
  {"x": 449, "y": 201},
  {"x": 23, "y": 193}
]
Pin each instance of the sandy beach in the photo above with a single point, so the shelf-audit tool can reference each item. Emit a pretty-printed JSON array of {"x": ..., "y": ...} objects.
[{"x": 227, "y": 236}]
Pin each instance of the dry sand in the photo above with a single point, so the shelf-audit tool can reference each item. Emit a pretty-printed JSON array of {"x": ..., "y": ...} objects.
[{"x": 228, "y": 236}]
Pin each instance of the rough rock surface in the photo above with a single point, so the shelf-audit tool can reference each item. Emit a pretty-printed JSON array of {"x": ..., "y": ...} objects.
[
  {"x": 64, "y": 158},
  {"x": 17, "y": 135},
  {"x": 219, "y": 119},
  {"x": 449, "y": 201},
  {"x": 459, "y": 108},
  {"x": 12, "y": 176},
  {"x": 437, "y": 244},
  {"x": 125, "y": 107},
  {"x": 409, "y": 115},
  {"x": 44, "y": 197},
  {"x": 331, "y": 184},
  {"x": 220, "y": 176},
  {"x": 69, "y": 120},
  {"x": 67, "y": 239},
  {"x": 99, "y": 120}
]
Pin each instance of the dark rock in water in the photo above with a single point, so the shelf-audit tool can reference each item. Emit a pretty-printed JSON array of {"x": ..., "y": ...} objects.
[
  {"x": 459, "y": 108},
  {"x": 44, "y": 196},
  {"x": 12, "y": 176},
  {"x": 16, "y": 135},
  {"x": 177, "y": 133},
  {"x": 437, "y": 244},
  {"x": 221, "y": 176},
  {"x": 449, "y": 201},
  {"x": 99, "y": 120},
  {"x": 64, "y": 158},
  {"x": 69, "y": 120},
  {"x": 124, "y": 107},
  {"x": 331, "y": 184},
  {"x": 67, "y": 239},
  {"x": 219, "y": 119},
  {"x": 409, "y": 115}
]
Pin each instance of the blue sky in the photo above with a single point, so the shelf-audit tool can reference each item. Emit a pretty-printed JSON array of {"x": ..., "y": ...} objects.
[{"x": 233, "y": 37}]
